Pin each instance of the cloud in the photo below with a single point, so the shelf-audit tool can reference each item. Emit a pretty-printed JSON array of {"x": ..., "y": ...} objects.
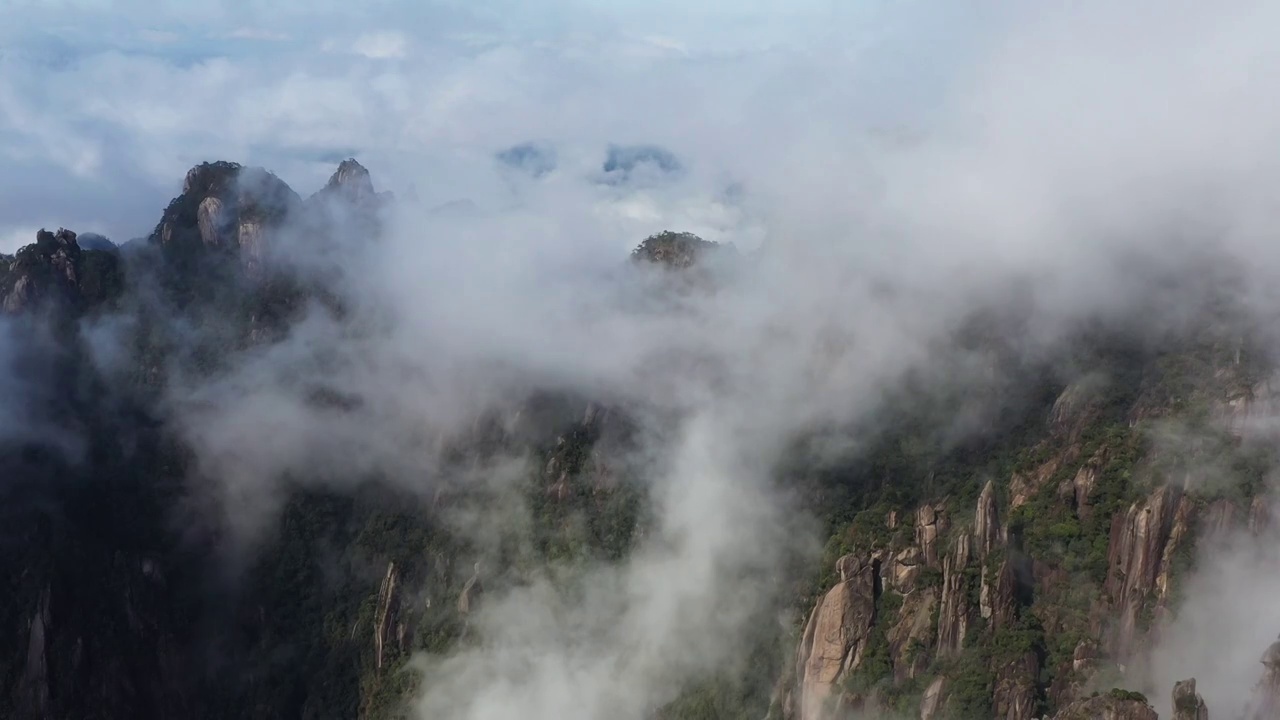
[
  {"x": 381, "y": 45},
  {"x": 160, "y": 37},
  {"x": 145, "y": 111},
  {"x": 252, "y": 33},
  {"x": 647, "y": 161},
  {"x": 537, "y": 159},
  {"x": 628, "y": 638}
]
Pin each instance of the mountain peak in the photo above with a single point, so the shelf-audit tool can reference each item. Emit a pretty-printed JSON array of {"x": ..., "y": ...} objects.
[
  {"x": 356, "y": 199},
  {"x": 351, "y": 177},
  {"x": 209, "y": 177},
  {"x": 673, "y": 249},
  {"x": 54, "y": 270}
]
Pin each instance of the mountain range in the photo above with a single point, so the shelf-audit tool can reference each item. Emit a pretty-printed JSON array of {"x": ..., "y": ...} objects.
[{"x": 1020, "y": 530}]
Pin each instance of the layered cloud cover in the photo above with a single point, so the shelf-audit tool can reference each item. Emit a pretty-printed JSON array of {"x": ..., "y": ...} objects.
[
  {"x": 896, "y": 165},
  {"x": 107, "y": 104}
]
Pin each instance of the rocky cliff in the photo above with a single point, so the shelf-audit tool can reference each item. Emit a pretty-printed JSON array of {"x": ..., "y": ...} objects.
[
  {"x": 175, "y": 625},
  {"x": 1060, "y": 574}
]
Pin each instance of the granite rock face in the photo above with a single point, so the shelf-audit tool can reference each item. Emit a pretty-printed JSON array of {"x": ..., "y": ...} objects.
[
  {"x": 1112, "y": 706},
  {"x": 1187, "y": 703},
  {"x": 227, "y": 209},
  {"x": 56, "y": 274},
  {"x": 835, "y": 637}
]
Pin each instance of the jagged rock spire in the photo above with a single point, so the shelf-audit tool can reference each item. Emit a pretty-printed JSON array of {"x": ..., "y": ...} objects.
[
  {"x": 1187, "y": 703},
  {"x": 348, "y": 205},
  {"x": 49, "y": 271},
  {"x": 350, "y": 171},
  {"x": 352, "y": 180}
]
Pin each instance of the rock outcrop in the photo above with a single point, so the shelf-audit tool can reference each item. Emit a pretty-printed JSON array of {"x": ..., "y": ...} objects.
[
  {"x": 352, "y": 182},
  {"x": 835, "y": 636},
  {"x": 1116, "y": 705},
  {"x": 54, "y": 272},
  {"x": 1140, "y": 560},
  {"x": 1072, "y": 674},
  {"x": 227, "y": 208},
  {"x": 1187, "y": 703},
  {"x": 1015, "y": 695},
  {"x": 673, "y": 250},
  {"x": 348, "y": 205},
  {"x": 1025, "y": 484},
  {"x": 469, "y": 598},
  {"x": 388, "y": 629},
  {"x": 986, "y": 524},
  {"x": 954, "y": 610},
  {"x": 931, "y": 701},
  {"x": 931, "y": 524}
]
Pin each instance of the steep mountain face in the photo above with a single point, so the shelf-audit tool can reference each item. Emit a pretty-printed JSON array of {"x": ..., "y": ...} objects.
[
  {"x": 90, "y": 565},
  {"x": 1020, "y": 569},
  {"x": 122, "y": 596},
  {"x": 1061, "y": 573},
  {"x": 224, "y": 210},
  {"x": 115, "y": 610}
]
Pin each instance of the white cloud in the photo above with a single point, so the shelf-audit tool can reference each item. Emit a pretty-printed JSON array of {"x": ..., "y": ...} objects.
[
  {"x": 252, "y": 33},
  {"x": 381, "y": 45},
  {"x": 126, "y": 110},
  {"x": 160, "y": 37}
]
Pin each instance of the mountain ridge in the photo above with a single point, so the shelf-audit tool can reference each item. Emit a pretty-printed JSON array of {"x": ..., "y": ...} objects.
[{"x": 1007, "y": 571}]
